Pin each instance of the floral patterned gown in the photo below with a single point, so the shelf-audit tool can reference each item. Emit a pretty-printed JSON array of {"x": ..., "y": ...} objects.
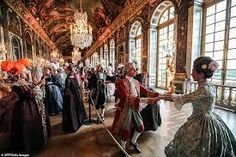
[{"x": 204, "y": 134}]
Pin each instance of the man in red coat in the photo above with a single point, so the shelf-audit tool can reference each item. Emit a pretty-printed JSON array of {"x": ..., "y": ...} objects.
[{"x": 133, "y": 97}]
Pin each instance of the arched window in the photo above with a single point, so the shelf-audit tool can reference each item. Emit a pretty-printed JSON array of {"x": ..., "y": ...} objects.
[
  {"x": 106, "y": 55},
  {"x": 28, "y": 46},
  {"x": 112, "y": 53},
  {"x": 161, "y": 43},
  {"x": 220, "y": 39},
  {"x": 95, "y": 61},
  {"x": 101, "y": 55},
  {"x": 136, "y": 44},
  {"x": 16, "y": 48}
]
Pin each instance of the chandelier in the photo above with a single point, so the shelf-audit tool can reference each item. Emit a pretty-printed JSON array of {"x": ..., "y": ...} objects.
[
  {"x": 76, "y": 55},
  {"x": 54, "y": 54},
  {"x": 81, "y": 32}
]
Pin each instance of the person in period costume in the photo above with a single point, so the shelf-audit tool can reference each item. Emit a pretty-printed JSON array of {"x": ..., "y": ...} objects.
[
  {"x": 24, "y": 110},
  {"x": 53, "y": 97},
  {"x": 204, "y": 134},
  {"x": 73, "y": 114},
  {"x": 110, "y": 86},
  {"x": 133, "y": 97},
  {"x": 100, "y": 95}
]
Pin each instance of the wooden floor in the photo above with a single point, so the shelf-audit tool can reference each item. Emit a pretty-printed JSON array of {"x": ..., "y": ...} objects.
[{"x": 94, "y": 141}]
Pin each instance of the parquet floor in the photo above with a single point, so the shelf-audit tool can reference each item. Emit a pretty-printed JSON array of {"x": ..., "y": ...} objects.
[{"x": 94, "y": 141}]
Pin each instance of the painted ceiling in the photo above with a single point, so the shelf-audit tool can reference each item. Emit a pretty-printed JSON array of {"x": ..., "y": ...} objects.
[{"x": 56, "y": 16}]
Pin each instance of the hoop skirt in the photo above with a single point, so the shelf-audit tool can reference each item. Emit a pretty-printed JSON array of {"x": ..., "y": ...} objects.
[{"x": 204, "y": 134}]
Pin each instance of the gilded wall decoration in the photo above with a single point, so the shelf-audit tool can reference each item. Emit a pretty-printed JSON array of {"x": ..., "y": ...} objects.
[
  {"x": 14, "y": 23},
  {"x": 121, "y": 35},
  {"x": 23, "y": 12}
]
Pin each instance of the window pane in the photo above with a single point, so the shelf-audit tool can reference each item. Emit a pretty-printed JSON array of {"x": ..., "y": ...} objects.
[
  {"x": 220, "y": 63},
  {"x": 231, "y": 64},
  {"x": 209, "y": 47},
  {"x": 233, "y": 12},
  {"x": 233, "y": 22},
  {"x": 216, "y": 81},
  {"x": 209, "y": 38},
  {"x": 219, "y": 36},
  {"x": 233, "y": 2},
  {"x": 220, "y": 16},
  {"x": 230, "y": 83},
  {"x": 217, "y": 74},
  {"x": 232, "y": 43},
  {"x": 210, "y": 54},
  {"x": 219, "y": 45},
  {"x": 171, "y": 13},
  {"x": 171, "y": 27},
  {"x": 220, "y": 6},
  {"x": 210, "y": 19},
  {"x": 231, "y": 74},
  {"x": 220, "y": 26},
  {"x": 172, "y": 10},
  {"x": 232, "y": 54},
  {"x": 162, "y": 20},
  {"x": 211, "y": 10},
  {"x": 218, "y": 55},
  {"x": 210, "y": 29},
  {"x": 232, "y": 33}
]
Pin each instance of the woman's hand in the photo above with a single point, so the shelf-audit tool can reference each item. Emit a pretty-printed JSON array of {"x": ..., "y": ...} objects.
[{"x": 168, "y": 97}]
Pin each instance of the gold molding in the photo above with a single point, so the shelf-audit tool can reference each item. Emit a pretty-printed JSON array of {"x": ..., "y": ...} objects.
[
  {"x": 180, "y": 76},
  {"x": 20, "y": 9},
  {"x": 127, "y": 13}
]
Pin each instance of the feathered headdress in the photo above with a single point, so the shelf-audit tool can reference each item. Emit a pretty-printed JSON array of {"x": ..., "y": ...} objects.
[
  {"x": 7, "y": 65},
  {"x": 24, "y": 61},
  {"x": 18, "y": 68},
  {"x": 15, "y": 67}
]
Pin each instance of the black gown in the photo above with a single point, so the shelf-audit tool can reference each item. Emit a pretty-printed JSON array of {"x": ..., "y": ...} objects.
[
  {"x": 73, "y": 114},
  {"x": 151, "y": 117},
  {"x": 150, "y": 114},
  {"x": 30, "y": 125}
]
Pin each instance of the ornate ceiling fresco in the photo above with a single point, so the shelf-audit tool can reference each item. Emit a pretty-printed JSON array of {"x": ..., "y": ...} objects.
[{"x": 56, "y": 16}]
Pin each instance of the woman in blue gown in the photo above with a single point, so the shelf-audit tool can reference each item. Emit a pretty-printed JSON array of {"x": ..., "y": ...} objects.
[
  {"x": 204, "y": 134},
  {"x": 53, "y": 97}
]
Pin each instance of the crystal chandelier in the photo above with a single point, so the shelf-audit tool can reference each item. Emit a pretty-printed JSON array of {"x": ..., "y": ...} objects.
[
  {"x": 54, "y": 54},
  {"x": 81, "y": 32},
  {"x": 76, "y": 55}
]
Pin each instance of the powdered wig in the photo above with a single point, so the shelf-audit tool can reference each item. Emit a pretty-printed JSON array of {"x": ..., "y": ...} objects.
[
  {"x": 128, "y": 67},
  {"x": 98, "y": 67},
  {"x": 205, "y": 65}
]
